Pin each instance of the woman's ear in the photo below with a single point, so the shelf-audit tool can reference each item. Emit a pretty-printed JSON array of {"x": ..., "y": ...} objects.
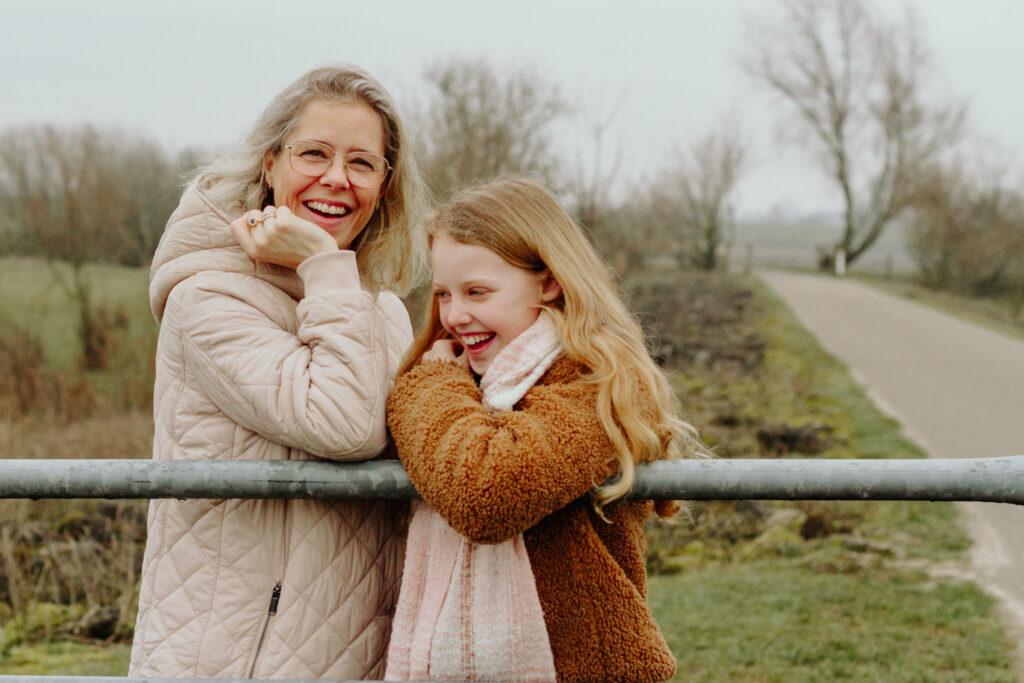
[
  {"x": 550, "y": 289},
  {"x": 268, "y": 165}
]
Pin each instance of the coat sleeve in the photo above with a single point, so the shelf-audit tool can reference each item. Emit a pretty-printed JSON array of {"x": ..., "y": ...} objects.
[
  {"x": 492, "y": 477},
  {"x": 313, "y": 377}
]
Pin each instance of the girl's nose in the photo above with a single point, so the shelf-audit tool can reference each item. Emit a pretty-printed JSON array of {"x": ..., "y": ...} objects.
[{"x": 456, "y": 315}]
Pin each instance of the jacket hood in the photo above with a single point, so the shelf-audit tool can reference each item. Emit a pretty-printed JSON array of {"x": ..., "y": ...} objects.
[{"x": 197, "y": 239}]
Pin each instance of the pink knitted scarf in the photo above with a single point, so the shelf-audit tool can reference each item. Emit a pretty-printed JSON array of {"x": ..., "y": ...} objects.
[{"x": 469, "y": 611}]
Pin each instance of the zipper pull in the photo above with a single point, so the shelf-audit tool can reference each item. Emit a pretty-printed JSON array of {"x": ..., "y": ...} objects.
[{"x": 275, "y": 595}]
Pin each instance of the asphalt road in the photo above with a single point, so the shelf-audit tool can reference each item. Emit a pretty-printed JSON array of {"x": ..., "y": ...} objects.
[{"x": 956, "y": 387}]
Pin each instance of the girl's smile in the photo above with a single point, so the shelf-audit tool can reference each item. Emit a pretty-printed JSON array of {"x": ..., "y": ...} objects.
[{"x": 477, "y": 343}]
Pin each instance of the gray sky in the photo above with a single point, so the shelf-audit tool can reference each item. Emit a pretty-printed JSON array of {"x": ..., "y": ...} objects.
[{"x": 199, "y": 71}]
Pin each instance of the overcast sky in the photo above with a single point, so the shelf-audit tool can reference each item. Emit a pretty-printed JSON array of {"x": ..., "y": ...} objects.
[{"x": 197, "y": 72}]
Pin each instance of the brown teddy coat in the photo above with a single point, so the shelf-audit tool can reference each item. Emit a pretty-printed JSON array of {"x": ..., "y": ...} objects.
[{"x": 530, "y": 471}]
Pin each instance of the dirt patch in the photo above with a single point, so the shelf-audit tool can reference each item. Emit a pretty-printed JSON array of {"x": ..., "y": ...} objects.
[{"x": 700, "y": 319}]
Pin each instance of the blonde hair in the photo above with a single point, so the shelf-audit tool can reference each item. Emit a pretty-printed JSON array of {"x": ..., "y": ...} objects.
[
  {"x": 525, "y": 225},
  {"x": 390, "y": 247}
]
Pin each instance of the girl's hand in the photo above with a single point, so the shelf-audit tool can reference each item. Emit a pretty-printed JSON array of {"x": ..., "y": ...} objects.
[
  {"x": 276, "y": 235},
  {"x": 449, "y": 350}
]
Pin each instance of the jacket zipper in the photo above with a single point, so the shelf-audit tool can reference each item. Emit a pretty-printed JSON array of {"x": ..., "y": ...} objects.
[{"x": 275, "y": 596}]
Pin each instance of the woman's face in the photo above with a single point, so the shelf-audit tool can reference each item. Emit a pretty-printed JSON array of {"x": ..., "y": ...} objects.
[{"x": 329, "y": 200}]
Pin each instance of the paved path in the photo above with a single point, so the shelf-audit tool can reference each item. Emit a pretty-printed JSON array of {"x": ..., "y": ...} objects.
[{"x": 957, "y": 389}]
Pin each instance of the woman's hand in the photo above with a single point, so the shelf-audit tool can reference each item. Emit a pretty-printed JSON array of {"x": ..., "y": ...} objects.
[
  {"x": 449, "y": 350},
  {"x": 276, "y": 235}
]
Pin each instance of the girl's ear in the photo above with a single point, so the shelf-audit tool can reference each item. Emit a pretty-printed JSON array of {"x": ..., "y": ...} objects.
[{"x": 550, "y": 289}]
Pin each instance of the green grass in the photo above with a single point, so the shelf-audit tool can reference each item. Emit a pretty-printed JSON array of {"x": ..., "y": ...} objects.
[
  {"x": 67, "y": 658},
  {"x": 33, "y": 300},
  {"x": 779, "y": 621},
  {"x": 34, "y": 303},
  {"x": 823, "y": 609}
]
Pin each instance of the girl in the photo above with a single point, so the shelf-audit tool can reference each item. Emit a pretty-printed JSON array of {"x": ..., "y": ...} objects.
[{"x": 527, "y": 390}]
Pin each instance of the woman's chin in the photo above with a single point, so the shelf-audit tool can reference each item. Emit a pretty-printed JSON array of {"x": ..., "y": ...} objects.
[
  {"x": 328, "y": 223},
  {"x": 340, "y": 229}
]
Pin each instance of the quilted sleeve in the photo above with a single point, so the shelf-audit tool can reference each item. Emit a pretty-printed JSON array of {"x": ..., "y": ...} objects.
[
  {"x": 313, "y": 377},
  {"x": 491, "y": 477}
]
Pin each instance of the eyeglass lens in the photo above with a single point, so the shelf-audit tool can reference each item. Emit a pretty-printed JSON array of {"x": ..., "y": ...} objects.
[{"x": 313, "y": 159}]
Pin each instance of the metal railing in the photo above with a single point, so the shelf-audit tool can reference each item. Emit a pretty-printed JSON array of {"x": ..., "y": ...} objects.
[{"x": 996, "y": 480}]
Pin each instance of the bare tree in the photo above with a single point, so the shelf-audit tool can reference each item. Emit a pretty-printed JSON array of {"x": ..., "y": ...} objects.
[
  {"x": 479, "y": 122},
  {"x": 691, "y": 205},
  {"x": 87, "y": 194},
  {"x": 154, "y": 182},
  {"x": 81, "y": 195},
  {"x": 59, "y": 187},
  {"x": 967, "y": 231},
  {"x": 622, "y": 234},
  {"x": 855, "y": 86},
  {"x": 595, "y": 168},
  {"x": 616, "y": 227}
]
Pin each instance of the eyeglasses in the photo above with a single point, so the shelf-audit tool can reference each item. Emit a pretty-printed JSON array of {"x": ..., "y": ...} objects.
[{"x": 314, "y": 158}]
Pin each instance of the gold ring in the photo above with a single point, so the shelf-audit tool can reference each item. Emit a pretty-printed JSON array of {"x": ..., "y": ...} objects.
[{"x": 252, "y": 222}]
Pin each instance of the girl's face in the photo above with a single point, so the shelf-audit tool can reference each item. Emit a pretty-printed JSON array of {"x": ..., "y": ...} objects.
[
  {"x": 484, "y": 301},
  {"x": 329, "y": 200}
]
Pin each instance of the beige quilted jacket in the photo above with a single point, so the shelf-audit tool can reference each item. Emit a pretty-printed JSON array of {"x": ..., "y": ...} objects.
[{"x": 263, "y": 363}]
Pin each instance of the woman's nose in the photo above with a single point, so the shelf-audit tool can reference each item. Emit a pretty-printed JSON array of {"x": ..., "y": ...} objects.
[{"x": 336, "y": 174}]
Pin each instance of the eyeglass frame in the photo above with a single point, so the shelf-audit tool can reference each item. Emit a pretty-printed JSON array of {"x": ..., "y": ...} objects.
[{"x": 344, "y": 155}]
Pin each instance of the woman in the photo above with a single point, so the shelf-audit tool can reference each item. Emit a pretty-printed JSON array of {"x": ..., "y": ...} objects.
[{"x": 279, "y": 341}]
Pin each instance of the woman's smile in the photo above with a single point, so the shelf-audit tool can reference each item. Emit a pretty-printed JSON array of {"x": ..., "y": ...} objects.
[{"x": 327, "y": 209}]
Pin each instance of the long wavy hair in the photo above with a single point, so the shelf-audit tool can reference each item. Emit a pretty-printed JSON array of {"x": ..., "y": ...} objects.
[
  {"x": 390, "y": 247},
  {"x": 525, "y": 225}
]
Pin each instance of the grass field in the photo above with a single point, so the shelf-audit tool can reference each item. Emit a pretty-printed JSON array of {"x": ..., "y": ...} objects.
[
  {"x": 33, "y": 300},
  {"x": 782, "y": 621},
  {"x": 67, "y": 658},
  {"x": 738, "y": 598},
  {"x": 45, "y": 316}
]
